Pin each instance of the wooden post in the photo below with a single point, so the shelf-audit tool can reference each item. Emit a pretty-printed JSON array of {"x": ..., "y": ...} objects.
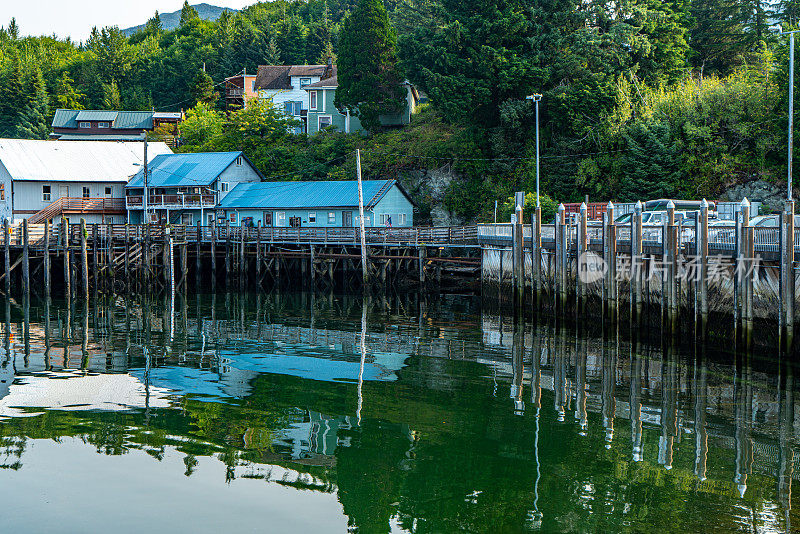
[
  {"x": 364, "y": 266},
  {"x": 7, "y": 246},
  {"x": 610, "y": 257},
  {"x": 637, "y": 259},
  {"x": 228, "y": 251},
  {"x": 745, "y": 267},
  {"x": 169, "y": 268},
  {"x": 110, "y": 257},
  {"x": 583, "y": 247},
  {"x": 517, "y": 251},
  {"x": 96, "y": 269},
  {"x": 561, "y": 253},
  {"x": 311, "y": 265},
  {"x": 702, "y": 253},
  {"x": 669, "y": 246},
  {"x": 421, "y": 263},
  {"x": 26, "y": 267},
  {"x": 536, "y": 250},
  {"x": 146, "y": 254},
  {"x": 46, "y": 259},
  {"x": 84, "y": 261},
  {"x": 184, "y": 264},
  {"x": 258, "y": 255},
  {"x": 67, "y": 259},
  {"x": 127, "y": 257},
  {"x": 213, "y": 254},
  {"x": 787, "y": 268},
  {"x": 198, "y": 267}
]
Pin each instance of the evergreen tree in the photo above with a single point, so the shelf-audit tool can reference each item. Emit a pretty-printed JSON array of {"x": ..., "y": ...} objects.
[
  {"x": 153, "y": 25},
  {"x": 188, "y": 13},
  {"x": 13, "y": 99},
  {"x": 203, "y": 89},
  {"x": 64, "y": 94},
  {"x": 718, "y": 40},
  {"x": 34, "y": 123},
  {"x": 291, "y": 41},
  {"x": 369, "y": 76},
  {"x": 13, "y": 29},
  {"x": 788, "y": 12},
  {"x": 111, "y": 97}
]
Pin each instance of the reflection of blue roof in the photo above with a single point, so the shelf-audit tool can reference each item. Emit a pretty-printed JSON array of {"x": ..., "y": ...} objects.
[
  {"x": 189, "y": 380},
  {"x": 173, "y": 170},
  {"x": 299, "y": 195}
]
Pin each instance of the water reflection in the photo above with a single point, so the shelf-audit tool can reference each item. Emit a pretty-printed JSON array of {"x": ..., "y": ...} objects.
[{"x": 408, "y": 415}]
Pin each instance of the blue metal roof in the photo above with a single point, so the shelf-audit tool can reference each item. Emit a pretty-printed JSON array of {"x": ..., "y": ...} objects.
[
  {"x": 299, "y": 195},
  {"x": 185, "y": 170}
]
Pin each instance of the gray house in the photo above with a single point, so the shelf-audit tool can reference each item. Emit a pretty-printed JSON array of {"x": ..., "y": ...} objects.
[
  {"x": 186, "y": 188},
  {"x": 318, "y": 204}
]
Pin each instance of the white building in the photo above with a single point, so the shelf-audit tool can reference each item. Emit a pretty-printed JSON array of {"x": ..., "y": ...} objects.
[
  {"x": 41, "y": 180},
  {"x": 284, "y": 85}
]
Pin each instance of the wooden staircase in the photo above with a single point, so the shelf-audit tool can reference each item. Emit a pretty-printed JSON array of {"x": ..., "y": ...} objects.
[{"x": 71, "y": 205}]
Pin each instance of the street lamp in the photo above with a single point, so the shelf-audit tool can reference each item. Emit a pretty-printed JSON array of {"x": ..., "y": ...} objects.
[
  {"x": 791, "y": 107},
  {"x": 536, "y": 98}
]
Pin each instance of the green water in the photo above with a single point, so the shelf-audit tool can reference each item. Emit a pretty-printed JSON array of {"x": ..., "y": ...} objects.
[{"x": 245, "y": 413}]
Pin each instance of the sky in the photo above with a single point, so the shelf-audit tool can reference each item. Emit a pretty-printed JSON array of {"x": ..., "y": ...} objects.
[{"x": 75, "y": 18}]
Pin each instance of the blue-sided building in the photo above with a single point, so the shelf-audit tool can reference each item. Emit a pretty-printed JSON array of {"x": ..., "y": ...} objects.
[
  {"x": 318, "y": 204},
  {"x": 187, "y": 188}
]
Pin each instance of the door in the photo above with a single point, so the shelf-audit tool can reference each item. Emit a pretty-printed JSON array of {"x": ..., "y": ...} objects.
[
  {"x": 347, "y": 218},
  {"x": 63, "y": 191}
]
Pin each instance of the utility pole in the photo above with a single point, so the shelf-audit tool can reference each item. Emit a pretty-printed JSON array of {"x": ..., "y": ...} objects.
[
  {"x": 364, "y": 271},
  {"x": 144, "y": 197},
  {"x": 536, "y": 99}
]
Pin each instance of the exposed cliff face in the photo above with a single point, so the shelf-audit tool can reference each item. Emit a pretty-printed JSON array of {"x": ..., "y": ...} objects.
[
  {"x": 771, "y": 195},
  {"x": 428, "y": 188}
]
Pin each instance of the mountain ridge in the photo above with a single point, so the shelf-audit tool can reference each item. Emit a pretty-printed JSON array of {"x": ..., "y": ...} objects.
[{"x": 170, "y": 21}]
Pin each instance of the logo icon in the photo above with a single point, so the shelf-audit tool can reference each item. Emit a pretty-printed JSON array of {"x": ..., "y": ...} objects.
[{"x": 591, "y": 267}]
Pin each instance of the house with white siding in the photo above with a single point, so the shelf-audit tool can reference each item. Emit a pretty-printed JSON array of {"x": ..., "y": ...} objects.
[
  {"x": 44, "y": 180},
  {"x": 284, "y": 85}
]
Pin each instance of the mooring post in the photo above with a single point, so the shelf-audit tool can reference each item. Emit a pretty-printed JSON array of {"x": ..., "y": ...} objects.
[
  {"x": 561, "y": 254},
  {"x": 669, "y": 245},
  {"x": 96, "y": 269},
  {"x": 311, "y": 265},
  {"x": 583, "y": 247},
  {"x": 610, "y": 257},
  {"x": 46, "y": 259},
  {"x": 127, "y": 259},
  {"x": 421, "y": 264},
  {"x": 637, "y": 259},
  {"x": 26, "y": 267},
  {"x": 198, "y": 248},
  {"x": 7, "y": 246},
  {"x": 517, "y": 253},
  {"x": 227, "y": 251},
  {"x": 536, "y": 251},
  {"x": 110, "y": 256},
  {"x": 67, "y": 259},
  {"x": 84, "y": 261},
  {"x": 169, "y": 271},
  {"x": 258, "y": 255},
  {"x": 787, "y": 269},
  {"x": 702, "y": 253},
  {"x": 242, "y": 261},
  {"x": 184, "y": 264},
  {"x": 745, "y": 266}
]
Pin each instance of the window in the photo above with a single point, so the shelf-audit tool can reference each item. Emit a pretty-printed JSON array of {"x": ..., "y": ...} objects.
[
  {"x": 401, "y": 219},
  {"x": 239, "y": 161},
  {"x": 288, "y": 108},
  {"x": 298, "y": 108},
  {"x": 312, "y": 216},
  {"x": 2, "y": 191},
  {"x": 46, "y": 193},
  {"x": 223, "y": 187},
  {"x": 186, "y": 218},
  {"x": 382, "y": 219},
  {"x": 210, "y": 219},
  {"x": 232, "y": 217},
  {"x": 102, "y": 125},
  {"x": 86, "y": 192},
  {"x": 324, "y": 122},
  {"x": 266, "y": 218},
  {"x": 281, "y": 218},
  {"x": 312, "y": 103},
  {"x": 85, "y": 125},
  {"x": 304, "y": 82},
  {"x": 331, "y": 217},
  {"x": 108, "y": 191},
  {"x": 253, "y": 86}
]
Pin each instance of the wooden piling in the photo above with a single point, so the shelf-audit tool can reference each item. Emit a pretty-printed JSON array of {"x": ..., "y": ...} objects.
[
  {"x": 110, "y": 257},
  {"x": 312, "y": 266},
  {"x": 536, "y": 251},
  {"x": 198, "y": 267},
  {"x": 610, "y": 257},
  {"x": 421, "y": 264},
  {"x": 84, "y": 261},
  {"x": 95, "y": 244},
  {"x": 213, "y": 254},
  {"x": 258, "y": 255},
  {"x": 184, "y": 264},
  {"x": 745, "y": 267},
  {"x": 637, "y": 260},
  {"x": 127, "y": 258},
  {"x": 7, "y": 252},
  {"x": 702, "y": 259},
  {"x": 787, "y": 268},
  {"x": 26, "y": 266},
  {"x": 67, "y": 258},
  {"x": 518, "y": 259},
  {"x": 169, "y": 267},
  {"x": 561, "y": 254},
  {"x": 669, "y": 255},
  {"x": 146, "y": 256},
  {"x": 46, "y": 259},
  {"x": 583, "y": 247}
]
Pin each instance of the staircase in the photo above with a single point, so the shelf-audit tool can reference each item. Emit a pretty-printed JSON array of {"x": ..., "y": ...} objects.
[{"x": 71, "y": 205}]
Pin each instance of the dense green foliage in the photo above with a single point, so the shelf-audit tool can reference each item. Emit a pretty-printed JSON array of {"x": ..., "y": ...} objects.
[
  {"x": 642, "y": 98},
  {"x": 369, "y": 79}
]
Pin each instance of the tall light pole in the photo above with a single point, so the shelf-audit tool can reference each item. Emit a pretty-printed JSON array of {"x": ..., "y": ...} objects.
[
  {"x": 791, "y": 108},
  {"x": 144, "y": 175},
  {"x": 536, "y": 99}
]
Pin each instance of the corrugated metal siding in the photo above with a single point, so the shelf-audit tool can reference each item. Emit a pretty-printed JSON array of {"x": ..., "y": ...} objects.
[
  {"x": 176, "y": 170},
  {"x": 76, "y": 161},
  {"x": 301, "y": 195}
]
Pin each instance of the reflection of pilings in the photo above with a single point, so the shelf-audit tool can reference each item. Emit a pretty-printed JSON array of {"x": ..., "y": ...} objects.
[
  {"x": 636, "y": 397},
  {"x": 700, "y": 407},
  {"x": 536, "y": 369},
  {"x": 560, "y": 372},
  {"x": 609, "y": 380},
  {"x": 581, "y": 355},
  {"x": 785, "y": 437},
  {"x": 669, "y": 404},
  {"x": 742, "y": 405},
  {"x": 517, "y": 365},
  {"x": 363, "y": 348}
]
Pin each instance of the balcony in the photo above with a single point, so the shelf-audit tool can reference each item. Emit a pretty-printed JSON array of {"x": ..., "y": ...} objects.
[
  {"x": 234, "y": 93},
  {"x": 171, "y": 202}
]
